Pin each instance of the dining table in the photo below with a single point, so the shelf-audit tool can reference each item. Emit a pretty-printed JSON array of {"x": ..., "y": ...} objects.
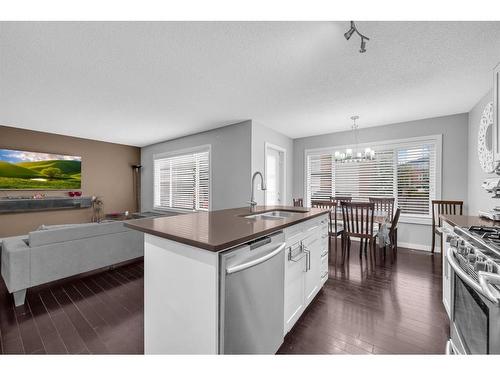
[{"x": 379, "y": 217}]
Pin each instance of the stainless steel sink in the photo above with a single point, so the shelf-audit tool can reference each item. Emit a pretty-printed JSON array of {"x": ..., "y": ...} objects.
[{"x": 270, "y": 215}]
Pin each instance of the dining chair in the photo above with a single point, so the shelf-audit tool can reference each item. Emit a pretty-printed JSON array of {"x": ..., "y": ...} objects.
[
  {"x": 384, "y": 205},
  {"x": 335, "y": 228},
  {"x": 446, "y": 208},
  {"x": 393, "y": 234},
  {"x": 298, "y": 202},
  {"x": 358, "y": 223},
  {"x": 341, "y": 199}
]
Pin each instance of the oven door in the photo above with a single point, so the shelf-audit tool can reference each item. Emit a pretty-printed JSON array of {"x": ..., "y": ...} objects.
[{"x": 475, "y": 325}]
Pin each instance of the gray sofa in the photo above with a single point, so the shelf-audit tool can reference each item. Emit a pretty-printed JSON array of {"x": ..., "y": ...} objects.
[{"x": 59, "y": 251}]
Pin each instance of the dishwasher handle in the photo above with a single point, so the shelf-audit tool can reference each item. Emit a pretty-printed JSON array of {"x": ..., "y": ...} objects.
[{"x": 244, "y": 266}]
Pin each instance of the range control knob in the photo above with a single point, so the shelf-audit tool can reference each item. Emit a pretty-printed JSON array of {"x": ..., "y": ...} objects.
[
  {"x": 464, "y": 249},
  {"x": 461, "y": 248},
  {"x": 471, "y": 258},
  {"x": 480, "y": 266}
]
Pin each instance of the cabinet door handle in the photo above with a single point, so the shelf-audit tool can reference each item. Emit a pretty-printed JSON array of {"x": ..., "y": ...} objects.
[
  {"x": 308, "y": 258},
  {"x": 298, "y": 256},
  {"x": 243, "y": 266}
]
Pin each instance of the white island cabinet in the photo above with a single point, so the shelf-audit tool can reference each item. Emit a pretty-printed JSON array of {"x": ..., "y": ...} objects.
[
  {"x": 306, "y": 268},
  {"x": 223, "y": 282}
]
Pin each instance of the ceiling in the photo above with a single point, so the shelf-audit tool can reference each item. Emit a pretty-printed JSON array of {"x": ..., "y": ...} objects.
[{"x": 138, "y": 83}]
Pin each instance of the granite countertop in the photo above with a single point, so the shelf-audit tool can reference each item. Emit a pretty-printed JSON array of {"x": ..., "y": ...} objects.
[
  {"x": 467, "y": 221},
  {"x": 220, "y": 230}
]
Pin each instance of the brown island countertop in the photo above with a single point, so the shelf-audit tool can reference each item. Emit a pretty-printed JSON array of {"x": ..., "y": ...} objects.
[
  {"x": 468, "y": 221},
  {"x": 222, "y": 229}
]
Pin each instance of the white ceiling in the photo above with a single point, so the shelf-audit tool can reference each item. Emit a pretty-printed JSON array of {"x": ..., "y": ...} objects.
[{"x": 139, "y": 83}]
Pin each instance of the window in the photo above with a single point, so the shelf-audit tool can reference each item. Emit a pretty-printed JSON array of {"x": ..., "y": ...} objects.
[
  {"x": 182, "y": 181},
  {"x": 406, "y": 170}
]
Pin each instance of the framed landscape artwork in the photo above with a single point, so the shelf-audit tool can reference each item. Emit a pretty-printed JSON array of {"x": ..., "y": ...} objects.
[{"x": 26, "y": 170}]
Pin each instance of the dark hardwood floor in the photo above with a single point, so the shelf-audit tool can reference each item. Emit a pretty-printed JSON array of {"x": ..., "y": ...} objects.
[
  {"x": 98, "y": 314},
  {"x": 387, "y": 307}
]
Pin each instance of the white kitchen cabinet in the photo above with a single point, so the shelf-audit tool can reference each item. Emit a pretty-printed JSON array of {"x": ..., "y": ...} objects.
[
  {"x": 294, "y": 284},
  {"x": 312, "y": 246},
  {"x": 306, "y": 267},
  {"x": 447, "y": 228}
]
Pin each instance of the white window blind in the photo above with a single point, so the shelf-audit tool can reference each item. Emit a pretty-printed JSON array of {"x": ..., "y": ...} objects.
[
  {"x": 182, "y": 181},
  {"x": 405, "y": 171},
  {"x": 319, "y": 177},
  {"x": 416, "y": 176}
]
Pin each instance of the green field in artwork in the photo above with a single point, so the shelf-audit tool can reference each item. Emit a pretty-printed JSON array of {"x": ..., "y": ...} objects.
[{"x": 40, "y": 175}]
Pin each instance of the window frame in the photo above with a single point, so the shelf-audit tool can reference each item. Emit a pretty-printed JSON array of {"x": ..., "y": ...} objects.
[
  {"x": 181, "y": 152},
  {"x": 436, "y": 139}
]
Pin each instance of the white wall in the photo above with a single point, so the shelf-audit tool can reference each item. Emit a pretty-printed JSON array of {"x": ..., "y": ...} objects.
[
  {"x": 478, "y": 198},
  {"x": 260, "y": 135},
  {"x": 454, "y": 168},
  {"x": 230, "y": 164}
]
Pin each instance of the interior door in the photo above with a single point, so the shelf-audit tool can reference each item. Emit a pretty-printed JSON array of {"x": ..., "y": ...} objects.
[{"x": 274, "y": 177}]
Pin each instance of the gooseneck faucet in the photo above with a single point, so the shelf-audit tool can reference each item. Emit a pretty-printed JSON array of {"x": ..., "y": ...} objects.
[{"x": 252, "y": 202}]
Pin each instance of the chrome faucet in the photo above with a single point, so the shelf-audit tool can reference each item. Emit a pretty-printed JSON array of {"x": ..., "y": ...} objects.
[{"x": 252, "y": 202}]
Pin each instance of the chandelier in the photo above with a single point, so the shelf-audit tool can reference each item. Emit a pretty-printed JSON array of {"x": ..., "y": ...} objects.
[{"x": 354, "y": 154}]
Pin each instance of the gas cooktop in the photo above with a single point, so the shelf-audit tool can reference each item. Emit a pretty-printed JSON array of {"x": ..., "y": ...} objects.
[
  {"x": 478, "y": 248},
  {"x": 490, "y": 236}
]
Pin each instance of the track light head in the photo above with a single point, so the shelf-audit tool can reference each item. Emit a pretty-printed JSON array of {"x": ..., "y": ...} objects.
[
  {"x": 349, "y": 33},
  {"x": 363, "y": 45}
]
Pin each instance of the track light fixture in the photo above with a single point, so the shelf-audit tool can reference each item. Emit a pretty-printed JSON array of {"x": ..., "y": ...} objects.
[
  {"x": 349, "y": 33},
  {"x": 353, "y": 30},
  {"x": 363, "y": 45}
]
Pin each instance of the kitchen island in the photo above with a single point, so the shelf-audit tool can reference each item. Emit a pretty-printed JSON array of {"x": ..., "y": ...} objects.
[{"x": 230, "y": 281}]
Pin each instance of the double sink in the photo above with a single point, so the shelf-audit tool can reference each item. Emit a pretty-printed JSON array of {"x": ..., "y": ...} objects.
[{"x": 271, "y": 215}]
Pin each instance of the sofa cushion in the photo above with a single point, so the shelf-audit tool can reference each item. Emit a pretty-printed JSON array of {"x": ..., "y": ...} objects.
[{"x": 74, "y": 232}]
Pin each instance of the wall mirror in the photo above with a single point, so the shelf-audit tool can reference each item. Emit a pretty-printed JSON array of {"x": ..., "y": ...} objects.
[{"x": 485, "y": 140}]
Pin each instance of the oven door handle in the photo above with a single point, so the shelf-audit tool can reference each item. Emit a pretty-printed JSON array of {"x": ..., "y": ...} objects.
[
  {"x": 450, "y": 255},
  {"x": 485, "y": 280}
]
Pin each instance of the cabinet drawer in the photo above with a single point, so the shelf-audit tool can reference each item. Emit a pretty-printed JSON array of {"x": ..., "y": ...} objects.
[
  {"x": 317, "y": 223},
  {"x": 294, "y": 233}
]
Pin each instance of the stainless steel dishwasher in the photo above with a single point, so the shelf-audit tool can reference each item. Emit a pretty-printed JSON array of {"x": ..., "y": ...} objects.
[{"x": 252, "y": 297}]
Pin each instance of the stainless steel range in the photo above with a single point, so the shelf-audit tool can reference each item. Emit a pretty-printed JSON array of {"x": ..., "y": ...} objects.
[{"x": 474, "y": 256}]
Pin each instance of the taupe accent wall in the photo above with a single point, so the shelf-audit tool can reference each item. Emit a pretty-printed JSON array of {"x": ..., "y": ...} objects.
[{"x": 106, "y": 172}]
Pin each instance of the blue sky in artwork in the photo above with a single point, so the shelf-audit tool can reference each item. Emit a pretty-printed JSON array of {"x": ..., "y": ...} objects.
[{"x": 15, "y": 156}]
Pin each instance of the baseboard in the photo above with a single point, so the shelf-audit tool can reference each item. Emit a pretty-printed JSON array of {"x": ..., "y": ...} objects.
[
  {"x": 413, "y": 246},
  {"x": 416, "y": 246}
]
